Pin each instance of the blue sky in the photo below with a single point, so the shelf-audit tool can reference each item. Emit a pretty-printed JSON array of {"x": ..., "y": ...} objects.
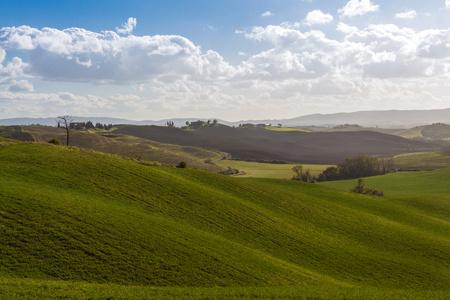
[{"x": 234, "y": 60}]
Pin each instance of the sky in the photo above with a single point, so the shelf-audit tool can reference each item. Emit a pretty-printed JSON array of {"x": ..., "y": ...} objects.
[{"x": 228, "y": 59}]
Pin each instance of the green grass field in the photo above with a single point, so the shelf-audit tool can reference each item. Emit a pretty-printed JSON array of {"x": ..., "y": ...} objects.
[
  {"x": 404, "y": 184},
  {"x": 423, "y": 161},
  {"x": 79, "y": 224},
  {"x": 266, "y": 170},
  {"x": 107, "y": 142},
  {"x": 15, "y": 132},
  {"x": 274, "y": 128},
  {"x": 53, "y": 289}
]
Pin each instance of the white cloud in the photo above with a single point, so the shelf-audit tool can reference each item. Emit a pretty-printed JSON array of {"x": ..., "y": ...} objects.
[
  {"x": 21, "y": 86},
  {"x": 357, "y": 8},
  {"x": 346, "y": 28},
  {"x": 212, "y": 28},
  {"x": 128, "y": 27},
  {"x": 267, "y": 14},
  {"x": 408, "y": 14},
  {"x": 14, "y": 69},
  {"x": 447, "y": 4},
  {"x": 378, "y": 51},
  {"x": 317, "y": 17},
  {"x": 109, "y": 58},
  {"x": 299, "y": 69}
]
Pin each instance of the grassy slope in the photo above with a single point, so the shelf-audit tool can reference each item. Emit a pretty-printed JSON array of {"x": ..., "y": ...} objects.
[
  {"x": 15, "y": 132},
  {"x": 286, "y": 129},
  {"x": 78, "y": 215},
  {"x": 128, "y": 145},
  {"x": 266, "y": 170},
  {"x": 414, "y": 185},
  {"x": 423, "y": 161}
]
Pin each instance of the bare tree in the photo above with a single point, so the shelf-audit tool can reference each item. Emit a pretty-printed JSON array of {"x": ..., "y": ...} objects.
[{"x": 64, "y": 122}]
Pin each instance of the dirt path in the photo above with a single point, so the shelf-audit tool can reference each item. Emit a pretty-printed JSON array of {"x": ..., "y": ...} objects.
[{"x": 224, "y": 156}]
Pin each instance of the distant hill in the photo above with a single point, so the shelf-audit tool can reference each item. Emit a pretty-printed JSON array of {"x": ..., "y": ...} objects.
[
  {"x": 389, "y": 118},
  {"x": 103, "y": 120},
  {"x": 292, "y": 146},
  {"x": 80, "y": 216}
]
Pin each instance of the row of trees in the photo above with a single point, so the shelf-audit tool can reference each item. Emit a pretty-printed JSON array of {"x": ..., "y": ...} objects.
[
  {"x": 350, "y": 168},
  {"x": 67, "y": 123},
  {"x": 200, "y": 124}
]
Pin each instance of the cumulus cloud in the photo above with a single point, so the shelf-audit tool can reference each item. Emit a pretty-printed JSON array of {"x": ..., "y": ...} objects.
[
  {"x": 357, "y": 8},
  {"x": 322, "y": 66},
  {"x": 447, "y": 4},
  {"x": 298, "y": 68},
  {"x": 128, "y": 27},
  {"x": 13, "y": 70},
  {"x": 408, "y": 14},
  {"x": 317, "y": 17},
  {"x": 21, "y": 86},
  {"x": 107, "y": 57},
  {"x": 267, "y": 14}
]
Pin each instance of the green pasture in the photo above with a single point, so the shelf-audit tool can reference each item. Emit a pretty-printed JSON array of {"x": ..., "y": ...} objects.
[
  {"x": 79, "y": 224},
  {"x": 276, "y": 128},
  {"x": 411, "y": 185},
  {"x": 423, "y": 161},
  {"x": 107, "y": 142},
  {"x": 267, "y": 170},
  {"x": 13, "y": 288}
]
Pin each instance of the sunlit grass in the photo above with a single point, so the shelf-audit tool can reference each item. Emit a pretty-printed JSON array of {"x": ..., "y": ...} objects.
[
  {"x": 79, "y": 224},
  {"x": 274, "y": 128},
  {"x": 267, "y": 170},
  {"x": 422, "y": 161}
]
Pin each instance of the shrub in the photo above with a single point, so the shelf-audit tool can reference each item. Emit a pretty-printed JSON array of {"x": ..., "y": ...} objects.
[
  {"x": 209, "y": 161},
  {"x": 182, "y": 164},
  {"x": 361, "y": 189},
  {"x": 231, "y": 171},
  {"x": 54, "y": 141},
  {"x": 301, "y": 175}
]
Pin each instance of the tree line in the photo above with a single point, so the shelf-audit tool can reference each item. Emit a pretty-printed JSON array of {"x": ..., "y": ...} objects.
[{"x": 350, "y": 168}]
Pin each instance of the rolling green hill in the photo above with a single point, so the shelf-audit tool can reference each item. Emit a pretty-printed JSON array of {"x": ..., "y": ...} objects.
[
  {"x": 15, "y": 132},
  {"x": 74, "y": 217},
  {"x": 423, "y": 161},
  {"x": 120, "y": 144},
  {"x": 411, "y": 185}
]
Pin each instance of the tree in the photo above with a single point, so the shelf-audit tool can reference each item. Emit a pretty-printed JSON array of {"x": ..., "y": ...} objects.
[
  {"x": 65, "y": 122},
  {"x": 301, "y": 175},
  {"x": 330, "y": 174},
  {"x": 89, "y": 125},
  {"x": 361, "y": 189}
]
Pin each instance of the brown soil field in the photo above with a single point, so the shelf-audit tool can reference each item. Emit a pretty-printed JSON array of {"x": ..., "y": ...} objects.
[{"x": 290, "y": 146}]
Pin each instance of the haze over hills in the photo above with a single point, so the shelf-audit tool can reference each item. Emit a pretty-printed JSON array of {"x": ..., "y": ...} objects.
[{"x": 388, "y": 118}]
